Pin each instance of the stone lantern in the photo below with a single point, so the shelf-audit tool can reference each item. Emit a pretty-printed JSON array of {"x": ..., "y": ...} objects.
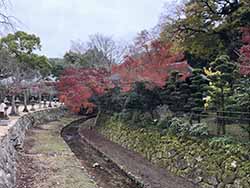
[
  {"x": 25, "y": 102},
  {"x": 32, "y": 102},
  {"x": 55, "y": 99},
  {"x": 7, "y": 103},
  {"x": 44, "y": 102},
  {"x": 50, "y": 101},
  {"x": 17, "y": 102}
]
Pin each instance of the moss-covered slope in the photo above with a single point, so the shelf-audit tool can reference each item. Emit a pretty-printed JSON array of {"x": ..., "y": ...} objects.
[{"x": 208, "y": 164}]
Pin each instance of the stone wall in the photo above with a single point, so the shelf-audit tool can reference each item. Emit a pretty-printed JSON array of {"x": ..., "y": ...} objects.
[
  {"x": 211, "y": 165},
  {"x": 14, "y": 140}
]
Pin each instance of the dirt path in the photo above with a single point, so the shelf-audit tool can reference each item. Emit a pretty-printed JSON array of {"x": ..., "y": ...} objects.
[
  {"x": 47, "y": 162},
  {"x": 153, "y": 177},
  {"x": 105, "y": 173}
]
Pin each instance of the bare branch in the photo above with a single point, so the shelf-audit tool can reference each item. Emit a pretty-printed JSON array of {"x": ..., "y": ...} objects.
[
  {"x": 101, "y": 50},
  {"x": 7, "y": 22}
]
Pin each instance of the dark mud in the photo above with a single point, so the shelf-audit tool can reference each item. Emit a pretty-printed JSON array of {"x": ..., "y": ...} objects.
[{"x": 103, "y": 171}]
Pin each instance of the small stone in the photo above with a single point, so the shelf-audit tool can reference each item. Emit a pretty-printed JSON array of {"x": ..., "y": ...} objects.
[
  {"x": 198, "y": 172},
  {"x": 199, "y": 159},
  {"x": 212, "y": 180},
  {"x": 172, "y": 153},
  {"x": 96, "y": 165},
  {"x": 181, "y": 164},
  {"x": 229, "y": 179},
  {"x": 237, "y": 183},
  {"x": 229, "y": 186},
  {"x": 197, "y": 179},
  {"x": 205, "y": 185},
  {"x": 221, "y": 185},
  {"x": 234, "y": 164}
]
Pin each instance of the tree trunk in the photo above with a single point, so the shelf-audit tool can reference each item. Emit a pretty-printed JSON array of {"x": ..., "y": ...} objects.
[
  {"x": 13, "y": 106},
  {"x": 199, "y": 118},
  {"x": 191, "y": 119},
  {"x": 25, "y": 102},
  {"x": 50, "y": 102},
  {"x": 248, "y": 128},
  {"x": 134, "y": 117},
  {"x": 40, "y": 101},
  {"x": 223, "y": 123},
  {"x": 98, "y": 117},
  {"x": 248, "y": 131},
  {"x": 218, "y": 122},
  {"x": 44, "y": 102}
]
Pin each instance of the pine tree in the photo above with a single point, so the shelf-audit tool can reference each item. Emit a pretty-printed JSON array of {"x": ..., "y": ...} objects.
[
  {"x": 176, "y": 92},
  {"x": 222, "y": 74},
  {"x": 241, "y": 102},
  {"x": 198, "y": 85}
]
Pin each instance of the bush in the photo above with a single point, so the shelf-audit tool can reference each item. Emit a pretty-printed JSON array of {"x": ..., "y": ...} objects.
[
  {"x": 221, "y": 141},
  {"x": 164, "y": 123},
  {"x": 198, "y": 130},
  {"x": 176, "y": 126}
]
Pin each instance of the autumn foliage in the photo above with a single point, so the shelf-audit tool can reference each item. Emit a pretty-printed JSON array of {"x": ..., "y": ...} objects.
[
  {"x": 152, "y": 65},
  {"x": 77, "y": 86},
  {"x": 245, "y": 52}
]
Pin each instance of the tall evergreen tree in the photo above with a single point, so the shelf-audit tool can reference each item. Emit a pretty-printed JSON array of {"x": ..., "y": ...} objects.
[
  {"x": 198, "y": 85},
  {"x": 176, "y": 93},
  {"x": 222, "y": 74},
  {"x": 240, "y": 102}
]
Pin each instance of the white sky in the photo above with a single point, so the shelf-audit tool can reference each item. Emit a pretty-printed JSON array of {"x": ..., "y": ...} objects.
[{"x": 57, "y": 22}]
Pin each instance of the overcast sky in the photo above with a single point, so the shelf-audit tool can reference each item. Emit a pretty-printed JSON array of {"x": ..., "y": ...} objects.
[{"x": 57, "y": 22}]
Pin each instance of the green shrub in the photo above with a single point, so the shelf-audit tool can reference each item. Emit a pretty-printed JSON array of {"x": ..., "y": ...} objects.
[
  {"x": 164, "y": 123},
  {"x": 220, "y": 141},
  {"x": 178, "y": 127},
  {"x": 198, "y": 130}
]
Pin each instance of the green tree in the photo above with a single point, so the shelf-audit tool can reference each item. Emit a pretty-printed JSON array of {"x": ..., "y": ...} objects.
[
  {"x": 140, "y": 104},
  {"x": 73, "y": 59},
  {"x": 222, "y": 74},
  {"x": 89, "y": 58},
  {"x": 22, "y": 46},
  {"x": 205, "y": 29},
  {"x": 240, "y": 102},
  {"x": 57, "y": 66},
  {"x": 198, "y": 85},
  {"x": 176, "y": 93},
  {"x": 112, "y": 101},
  {"x": 143, "y": 99}
]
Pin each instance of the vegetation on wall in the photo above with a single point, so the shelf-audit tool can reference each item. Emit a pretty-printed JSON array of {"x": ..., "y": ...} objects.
[{"x": 208, "y": 162}]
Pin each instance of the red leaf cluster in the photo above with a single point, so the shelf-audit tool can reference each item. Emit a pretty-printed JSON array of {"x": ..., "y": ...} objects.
[
  {"x": 152, "y": 66},
  {"x": 77, "y": 86},
  {"x": 245, "y": 52}
]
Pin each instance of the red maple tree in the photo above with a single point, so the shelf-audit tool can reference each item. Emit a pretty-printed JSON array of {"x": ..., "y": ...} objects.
[
  {"x": 77, "y": 86},
  {"x": 153, "y": 66},
  {"x": 245, "y": 52}
]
